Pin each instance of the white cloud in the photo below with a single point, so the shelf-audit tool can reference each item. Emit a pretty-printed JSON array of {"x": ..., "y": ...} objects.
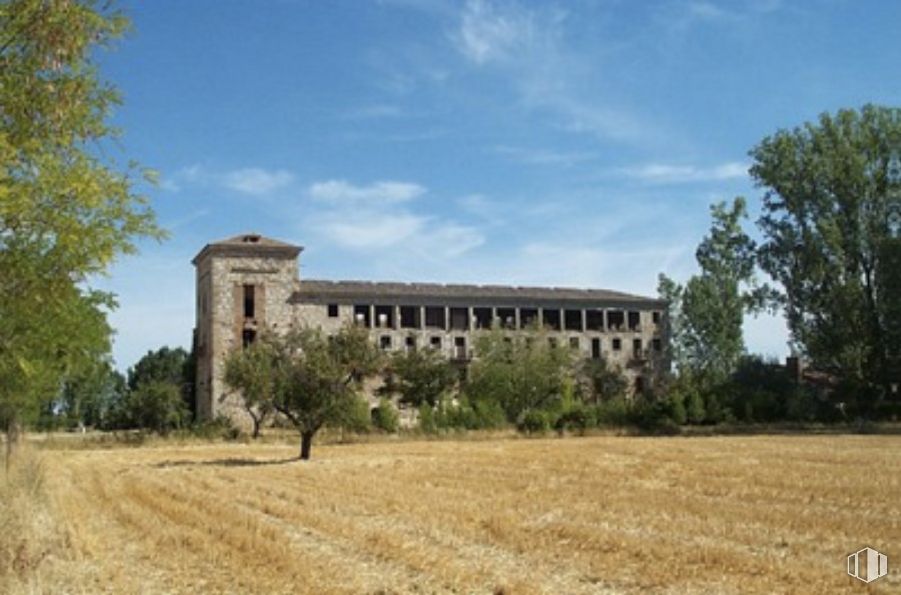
[
  {"x": 487, "y": 33},
  {"x": 529, "y": 47},
  {"x": 375, "y": 217},
  {"x": 659, "y": 173},
  {"x": 256, "y": 181},
  {"x": 340, "y": 191},
  {"x": 544, "y": 156},
  {"x": 367, "y": 230}
]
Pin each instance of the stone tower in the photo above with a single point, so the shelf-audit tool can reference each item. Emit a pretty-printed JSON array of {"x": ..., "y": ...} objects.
[{"x": 243, "y": 284}]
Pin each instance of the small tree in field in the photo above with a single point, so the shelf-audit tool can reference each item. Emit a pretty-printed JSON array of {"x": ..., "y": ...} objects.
[
  {"x": 318, "y": 377},
  {"x": 253, "y": 371}
]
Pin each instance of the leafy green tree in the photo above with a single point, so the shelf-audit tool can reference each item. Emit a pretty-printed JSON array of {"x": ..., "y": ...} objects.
[
  {"x": 519, "y": 373},
  {"x": 708, "y": 311},
  {"x": 421, "y": 376},
  {"x": 694, "y": 409},
  {"x": 602, "y": 381},
  {"x": 156, "y": 405},
  {"x": 385, "y": 417},
  {"x": 172, "y": 365},
  {"x": 318, "y": 377},
  {"x": 253, "y": 371},
  {"x": 66, "y": 209},
  {"x": 831, "y": 216},
  {"x": 90, "y": 397}
]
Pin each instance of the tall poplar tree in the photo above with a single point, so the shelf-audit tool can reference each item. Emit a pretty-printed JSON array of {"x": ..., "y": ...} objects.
[
  {"x": 831, "y": 218},
  {"x": 67, "y": 210}
]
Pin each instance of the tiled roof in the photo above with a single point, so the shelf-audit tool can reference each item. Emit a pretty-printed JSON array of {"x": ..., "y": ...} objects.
[
  {"x": 316, "y": 288},
  {"x": 249, "y": 244}
]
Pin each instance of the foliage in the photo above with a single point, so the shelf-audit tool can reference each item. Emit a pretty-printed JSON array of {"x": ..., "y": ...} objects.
[
  {"x": 91, "y": 397},
  {"x": 706, "y": 314},
  {"x": 173, "y": 366},
  {"x": 155, "y": 405},
  {"x": 830, "y": 222},
  {"x": 317, "y": 377},
  {"x": 519, "y": 373},
  {"x": 385, "y": 417},
  {"x": 534, "y": 421},
  {"x": 421, "y": 376},
  {"x": 694, "y": 408},
  {"x": 253, "y": 371},
  {"x": 601, "y": 381},
  {"x": 66, "y": 211}
]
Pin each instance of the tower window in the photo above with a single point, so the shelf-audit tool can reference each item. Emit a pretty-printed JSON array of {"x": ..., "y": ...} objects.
[
  {"x": 248, "y": 336},
  {"x": 333, "y": 310},
  {"x": 249, "y": 305}
]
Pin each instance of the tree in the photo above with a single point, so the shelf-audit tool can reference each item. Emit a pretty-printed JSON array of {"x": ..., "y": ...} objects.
[
  {"x": 318, "y": 377},
  {"x": 91, "y": 397},
  {"x": 66, "y": 209},
  {"x": 519, "y": 373},
  {"x": 707, "y": 313},
  {"x": 831, "y": 213},
  {"x": 156, "y": 405},
  {"x": 421, "y": 376},
  {"x": 603, "y": 382},
  {"x": 172, "y": 366},
  {"x": 253, "y": 371}
]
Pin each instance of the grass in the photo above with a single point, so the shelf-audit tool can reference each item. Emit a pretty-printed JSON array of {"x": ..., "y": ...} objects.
[{"x": 723, "y": 514}]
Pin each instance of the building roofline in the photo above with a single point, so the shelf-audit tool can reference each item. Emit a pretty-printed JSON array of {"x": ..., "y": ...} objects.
[
  {"x": 248, "y": 245},
  {"x": 314, "y": 289}
]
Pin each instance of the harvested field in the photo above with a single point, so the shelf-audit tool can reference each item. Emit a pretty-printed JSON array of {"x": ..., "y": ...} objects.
[{"x": 582, "y": 515}]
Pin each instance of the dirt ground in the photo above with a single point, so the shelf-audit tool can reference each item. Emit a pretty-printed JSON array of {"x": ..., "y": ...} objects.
[{"x": 576, "y": 515}]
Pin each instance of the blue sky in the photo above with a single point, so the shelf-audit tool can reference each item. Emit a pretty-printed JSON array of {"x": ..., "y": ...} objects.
[{"x": 575, "y": 143}]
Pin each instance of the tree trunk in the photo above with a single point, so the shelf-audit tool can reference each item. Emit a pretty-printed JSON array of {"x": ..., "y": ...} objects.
[
  {"x": 306, "y": 443},
  {"x": 13, "y": 433},
  {"x": 256, "y": 426}
]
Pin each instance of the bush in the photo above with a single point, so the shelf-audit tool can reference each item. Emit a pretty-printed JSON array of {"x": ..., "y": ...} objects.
[
  {"x": 534, "y": 421},
  {"x": 427, "y": 421},
  {"x": 614, "y": 412},
  {"x": 694, "y": 409},
  {"x": 385, "y": 417},
  {"x": 157, "y": 406},
  {"x": 357, "y": 417},
  {"x": 654, "y": 416},
  {"x": 577, "y": 418}
]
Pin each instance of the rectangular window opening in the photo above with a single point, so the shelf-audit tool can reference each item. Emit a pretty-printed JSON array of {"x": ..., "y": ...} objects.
[
  {"x": 434, "y": 317},
  {"x": 333, "y": 310},
  {"x": 249, "y": 305},
  {"x": 528, "y": 317},
  {"x": 616, "y": 319},
  {"x": 384, "y": 316},
  {"x": 551, "y": 318},
  {"x": 409, "y": 317},
  {"x": 459, "y": 319},
  {"x": 572, "y": 320},
  {"x": 596, "y": 348},
  {"x": 594, "y": 320},
  {"x": 634, "y": 321},
  {"x": 481, "y": 318},
  {"x": 361, "y": 315}
]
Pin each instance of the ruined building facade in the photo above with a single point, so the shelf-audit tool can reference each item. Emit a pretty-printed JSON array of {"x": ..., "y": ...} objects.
[{"x": 247, "y": 282}]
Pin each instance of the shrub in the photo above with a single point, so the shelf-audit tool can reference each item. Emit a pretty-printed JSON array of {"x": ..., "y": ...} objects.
[
  {"x": 694, "y": 409},
  {"x": 534, "y": 421},
  {"x": 576, "y": 419},
  {"x": 385, "y": 417},
  {"x": 614, "y": 412}
]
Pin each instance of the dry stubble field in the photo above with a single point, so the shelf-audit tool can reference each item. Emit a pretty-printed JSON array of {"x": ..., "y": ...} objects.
[{"x": 580, "y": 515}]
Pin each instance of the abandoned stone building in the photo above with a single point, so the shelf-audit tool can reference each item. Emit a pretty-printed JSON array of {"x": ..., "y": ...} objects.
[{"x": 249, "y": 281}]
